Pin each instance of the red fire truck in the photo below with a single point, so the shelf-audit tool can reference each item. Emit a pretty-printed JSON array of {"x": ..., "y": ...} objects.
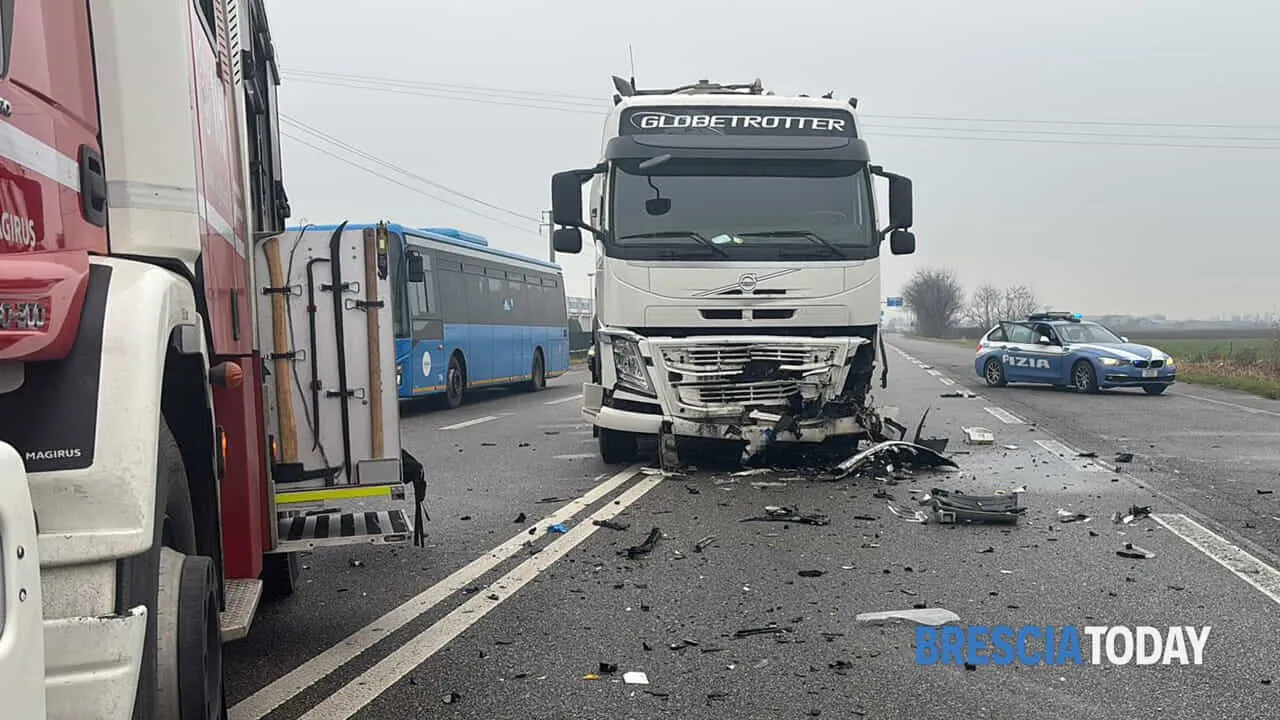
[{"x": 163, "y": 423}]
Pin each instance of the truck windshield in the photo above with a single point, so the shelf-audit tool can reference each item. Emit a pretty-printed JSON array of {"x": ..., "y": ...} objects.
[{"x": 742, "y": 209}]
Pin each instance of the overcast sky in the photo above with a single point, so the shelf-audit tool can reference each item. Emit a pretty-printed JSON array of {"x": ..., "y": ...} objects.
[{"x": 1072, "y": 208}]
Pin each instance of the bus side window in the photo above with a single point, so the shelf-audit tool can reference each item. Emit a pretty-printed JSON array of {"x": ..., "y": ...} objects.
[{"x": 421, "y": 294}]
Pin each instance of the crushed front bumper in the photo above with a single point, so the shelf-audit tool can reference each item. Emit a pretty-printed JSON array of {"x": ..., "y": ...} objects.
[{"x": 757, "y": 389}]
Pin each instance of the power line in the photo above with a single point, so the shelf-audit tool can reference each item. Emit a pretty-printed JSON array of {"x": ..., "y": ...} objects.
[
  {"x": 1055, "y": 141},
  {"x": 285, "y": 133},
  {"x": 579, "y": 101},
  {"x": 520, "y": 102},
  {"x": 1075, "y": 133},
  {"x": 392, "y": 166}
]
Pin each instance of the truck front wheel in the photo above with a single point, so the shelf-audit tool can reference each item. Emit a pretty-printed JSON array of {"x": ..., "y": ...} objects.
[{"x": 617, "y": 447}]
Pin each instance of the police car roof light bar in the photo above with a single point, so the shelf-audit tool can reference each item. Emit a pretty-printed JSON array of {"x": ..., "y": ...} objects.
[{"x": 1056, "y": 315}]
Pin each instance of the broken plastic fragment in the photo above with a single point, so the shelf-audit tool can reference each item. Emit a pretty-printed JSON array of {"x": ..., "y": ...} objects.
[
  {"x": 978, "y": 436},
  {"x": 1066, "y": 516},
  {"x": 1133, "y": 551},
  {"x": 920, "y": 616},
  {"x": 635, "y": 677},
  {"x": 557, "y": 528},
  {"x": 915, "y": 516}
]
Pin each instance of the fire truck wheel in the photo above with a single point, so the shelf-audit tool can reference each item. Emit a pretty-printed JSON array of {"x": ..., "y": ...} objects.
[
  {"x": 279, "y": 574},
  {"x": 188, "y": 638},
  {"x": 617, "y": 447},
  {"x": 538, "y": 376}
]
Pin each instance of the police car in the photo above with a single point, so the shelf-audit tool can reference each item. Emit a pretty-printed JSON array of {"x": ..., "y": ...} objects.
[{"x": 1064, "y": 350}]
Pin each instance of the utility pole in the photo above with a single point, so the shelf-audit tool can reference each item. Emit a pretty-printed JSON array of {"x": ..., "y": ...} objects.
[{"x": 551, "y": 234}]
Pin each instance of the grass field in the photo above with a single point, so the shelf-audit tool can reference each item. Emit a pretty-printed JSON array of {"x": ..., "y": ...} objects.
[{"x": 1248, "y": 364}]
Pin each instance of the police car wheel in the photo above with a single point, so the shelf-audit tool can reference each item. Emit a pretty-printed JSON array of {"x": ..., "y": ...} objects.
[
  {"x": 1083, "y": 377},
  {"x": 993, "y": 372}
]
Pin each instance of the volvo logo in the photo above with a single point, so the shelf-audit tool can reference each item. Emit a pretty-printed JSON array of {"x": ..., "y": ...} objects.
[{"x": 747, "y": 282}]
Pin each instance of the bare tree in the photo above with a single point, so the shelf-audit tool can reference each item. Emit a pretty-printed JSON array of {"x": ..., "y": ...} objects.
[
  {"x": 936, "y": 298},
  {"x": 985, "y": 306},
  {"x": 1019, "y": 302}
]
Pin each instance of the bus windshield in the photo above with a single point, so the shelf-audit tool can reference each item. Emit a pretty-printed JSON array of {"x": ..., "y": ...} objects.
[{"x": 743, "y": 209}]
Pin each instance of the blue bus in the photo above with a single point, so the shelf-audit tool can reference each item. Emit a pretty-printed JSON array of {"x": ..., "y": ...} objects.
[{"x": 471, "y": 316}]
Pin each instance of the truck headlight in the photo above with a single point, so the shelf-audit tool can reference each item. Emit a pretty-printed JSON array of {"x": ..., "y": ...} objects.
[{"x": 629, "y": 365}]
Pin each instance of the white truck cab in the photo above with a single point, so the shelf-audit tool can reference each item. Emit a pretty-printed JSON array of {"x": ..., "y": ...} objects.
[{"x": 737, "y": 281}]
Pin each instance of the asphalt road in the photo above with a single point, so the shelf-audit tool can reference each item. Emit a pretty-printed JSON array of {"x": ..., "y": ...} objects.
[{"x": 481, "y": 625}]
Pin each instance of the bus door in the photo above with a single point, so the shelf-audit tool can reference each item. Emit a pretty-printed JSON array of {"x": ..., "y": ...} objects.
[{"x": 427, "y": 362}]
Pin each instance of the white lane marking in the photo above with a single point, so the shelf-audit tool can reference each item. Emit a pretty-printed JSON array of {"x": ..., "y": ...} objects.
[
  {"x": 1230, "y": 556},
  {"x": 571, "y": 398},
  {"x": 946, "y": 381},
  {"x": 1004, "y": 416},
  {"x": 266, "y": 700},
  {"x": 1237, "y": 406},
  {"x": 575, "y": 456},
  {"x": 362, "y": 690},
  {"x": 469, "y": 423},
  {"x": 935, "y": 373},
  {"x": 1065, "y": 452}
]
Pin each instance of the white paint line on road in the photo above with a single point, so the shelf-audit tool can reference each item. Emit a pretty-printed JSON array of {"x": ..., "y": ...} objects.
[
  {"x": 266, "y": 700},
  {"x": 946, "y": 381},
  {"x": 571, "y": 398},
  {"x": 576, "y": 456},
  {"x": 1237, "y": 406},
  {"x": 1230, "y": 556},
  {"x": 1004, "y": 416},
  {"x": 469, "y": 423},
  {"x": 366, "y": 688},
  {"x": 935, "y": 373},
  {"x": 1072, "y": 456}
]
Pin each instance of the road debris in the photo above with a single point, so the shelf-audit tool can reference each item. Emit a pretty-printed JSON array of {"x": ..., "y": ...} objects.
[
  {"x": 611, "y": 524},
  {"x": 635, "y": 677},
  {"x": 1067, "y": 516},
  {"x": 753, "y": 632},
  {"x": 704, "y": 543},
  {"x": 892, "y": 454},
  {"x": 645, "y": 547},
  {"x": 978, "y": 436},
  {"x": 608, "y": 668},
  {"x": 557, "y": 528},
  {"x": 1124, "y": 457},
  {"x": 520, "y": 519},
  {"x": 450, "y": 698},
  {"x": 953, "y": 506},
  {"x": 1135, "y": 512},
  {"x": 1087, "y": 454},
  {"x": 959, "y": 394},
  {"x": 693, "y": 489},
  {"x": 774, "y": 513},
  {"x": 1261, "y": 491},
  {"x": 766, "y": 484},
  {"x": 921, "y": 616},
  {"x": 915, "y": 516},
  {"x": 1133, "y": 551},
  {"x": 811, "y": 573}
]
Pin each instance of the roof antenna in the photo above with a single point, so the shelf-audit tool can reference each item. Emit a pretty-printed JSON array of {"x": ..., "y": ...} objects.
[{"x": 631, "y": 52}]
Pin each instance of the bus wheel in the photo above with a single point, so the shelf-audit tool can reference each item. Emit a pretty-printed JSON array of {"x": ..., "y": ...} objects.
[
  {"x": 455, "y": 382},
  {"x": 538, "y": 378}
]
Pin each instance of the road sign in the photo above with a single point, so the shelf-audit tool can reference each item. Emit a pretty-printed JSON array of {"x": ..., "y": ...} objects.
[{"x": 893, "y": 302}]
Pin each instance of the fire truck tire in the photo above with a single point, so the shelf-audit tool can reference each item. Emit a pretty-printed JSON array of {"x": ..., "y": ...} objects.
[
  {"x": 188, "y": 639},
  {"x": 538, "y": 374},
  {"x": 279, "y": 574},
  {"x": 617, "y": 447}
]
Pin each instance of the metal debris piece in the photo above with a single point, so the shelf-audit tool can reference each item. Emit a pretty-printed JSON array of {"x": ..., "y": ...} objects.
[
  {"x": 921, "y": 616},
  {"x": 885, "y": 455},
  {"x": 1066, "y": 516},
  {"x": 752, "y": 632},
  {"x": 693, "y": 489},
  {"x": 978, "y": 436},
  {"x": 915, "y": 516},
  {"x": 1124, "y": 457},
  {"x": 766, "y": 484},
  {"x": 704, "y": 543},
  {"x": 611, "y": 524},
  {"x": 955, "y": 507},
  {"x": 645, "y": 547},
  {"x": 752, "y": 471},
  {"x": 1135, "y": 512},
  {"x": 786, "y": 514},
  {"x": 811, "y": 573},
  {"x": 1133, "y": 551},
  {"x": 1087, "y": 454}
]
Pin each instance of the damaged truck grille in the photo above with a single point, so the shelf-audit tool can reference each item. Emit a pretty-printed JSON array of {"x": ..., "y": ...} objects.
[{"x": 730, "y": 378}]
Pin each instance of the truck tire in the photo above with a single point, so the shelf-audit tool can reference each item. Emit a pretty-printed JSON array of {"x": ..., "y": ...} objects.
[
  {"x": 188, "y": 639},
  {"x": 279, "y": 575},
  {"x": 617, "y": 447},
  {"x": 155, "y": 579}
]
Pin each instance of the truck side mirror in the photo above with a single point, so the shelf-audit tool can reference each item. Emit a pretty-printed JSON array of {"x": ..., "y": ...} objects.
[
  {"x": 415, "y": 272},
  {"x": 567, "y": 240},
  {"x": 566, "y": 198},
  {"x": 902, "y": 242},
  {"x": 900, "y": 215}
]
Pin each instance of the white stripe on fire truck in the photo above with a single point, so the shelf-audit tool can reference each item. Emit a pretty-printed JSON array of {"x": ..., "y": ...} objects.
[{"x": 35, "y": 154}]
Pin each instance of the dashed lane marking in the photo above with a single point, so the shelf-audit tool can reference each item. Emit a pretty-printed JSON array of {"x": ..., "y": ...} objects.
[
  {"x": 469, "y": 423},
  {"x": 1004, "y": 416},
  {"x": 1224, "y": 403},
  {"x": 1069, "y": 455},
  {"x": 935, "y": 373},
  {"x": 1260, "y": 575},
  {"x": 366, "y": 688},
  {"x": 946, "y": 381},
  {"x": 576, "y": 456},
  {"x": 558, "y": 401},
  {"x": 266, "y": 700}
]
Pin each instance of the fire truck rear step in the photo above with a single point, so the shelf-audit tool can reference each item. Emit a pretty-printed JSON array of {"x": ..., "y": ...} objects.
[
  {"x": 308, "y": 532},
  {"x": 242, "y": 604}
]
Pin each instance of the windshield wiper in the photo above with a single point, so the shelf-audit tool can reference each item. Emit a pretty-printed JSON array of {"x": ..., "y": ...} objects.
[
  {"x": 676, "y": 234},
  {"x": 799, "y": 234}
]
